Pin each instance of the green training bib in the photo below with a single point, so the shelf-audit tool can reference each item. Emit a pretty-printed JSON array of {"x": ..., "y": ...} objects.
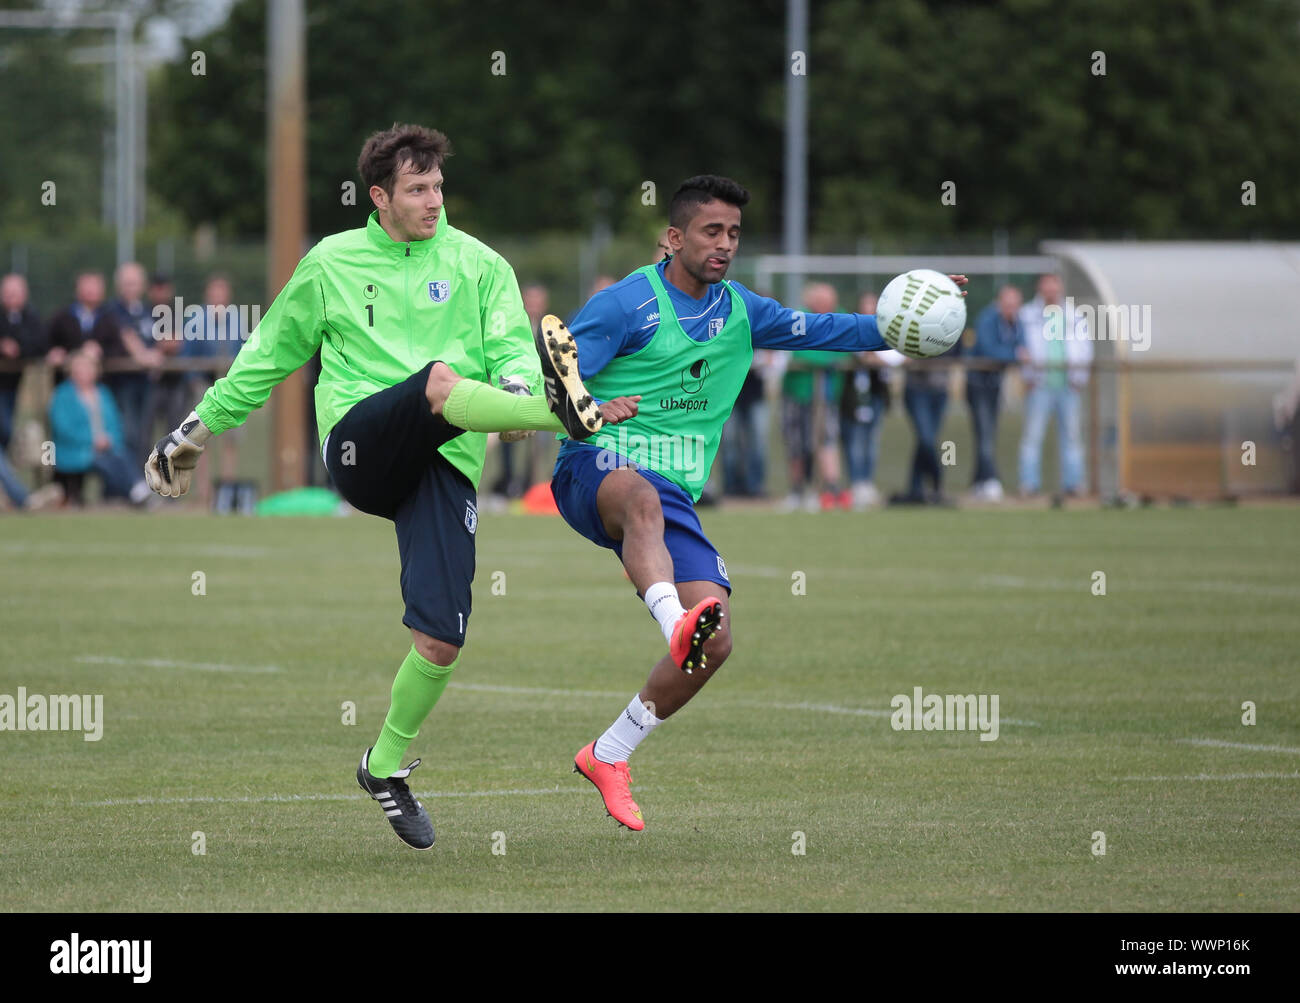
[{"x": 687, "y": 389}]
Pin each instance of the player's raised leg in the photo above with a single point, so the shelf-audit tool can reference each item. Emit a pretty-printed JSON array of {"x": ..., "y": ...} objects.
[
  {"x": 567, "y": 407},
  {"x": 632, "y": 513},
  {"x": 668, "y": 689},
  {"x": 477, "y": 407}
]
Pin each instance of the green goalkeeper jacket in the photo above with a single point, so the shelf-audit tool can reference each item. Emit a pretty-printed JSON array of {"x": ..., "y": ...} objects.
[{"x": 380, "y": 310}]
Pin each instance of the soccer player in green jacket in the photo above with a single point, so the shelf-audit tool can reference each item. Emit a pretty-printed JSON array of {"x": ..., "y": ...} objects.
[{"x": 413, "y": 319}]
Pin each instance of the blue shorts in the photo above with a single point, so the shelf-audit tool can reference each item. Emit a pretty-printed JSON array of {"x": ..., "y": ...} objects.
[{"x": 577, "y": 477}]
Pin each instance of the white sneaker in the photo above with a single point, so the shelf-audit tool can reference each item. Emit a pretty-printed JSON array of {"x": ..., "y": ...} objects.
[
  {"x": 811, "y": 503},
  {"x": 45, "y": 497},
  {"x": 865, "y": 496},
  {"x": 993, "y": 490}
]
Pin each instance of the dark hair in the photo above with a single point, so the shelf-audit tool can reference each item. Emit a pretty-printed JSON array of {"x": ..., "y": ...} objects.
[
  {"x": 388, "y": 151},
  {"x": 694, "y": 192}
]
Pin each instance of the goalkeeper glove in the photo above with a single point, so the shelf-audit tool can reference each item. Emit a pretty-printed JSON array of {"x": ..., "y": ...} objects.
[
  {"x": 515, "y": 385},
  {"x": 170, "y": 466}
]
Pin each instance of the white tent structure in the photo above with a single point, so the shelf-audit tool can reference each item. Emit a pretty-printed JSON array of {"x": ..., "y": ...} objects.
[
  {"x": 1197, "y": 347},
  {"x": 1195, "y": 342}
]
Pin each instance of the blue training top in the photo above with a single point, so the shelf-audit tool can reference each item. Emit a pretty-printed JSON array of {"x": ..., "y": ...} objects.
[{"x": 621, "y": 320}]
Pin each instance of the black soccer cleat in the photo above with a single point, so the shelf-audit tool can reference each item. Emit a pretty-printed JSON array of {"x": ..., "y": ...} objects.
[
  {"x": 567, "y": 397},
  {"x": 409, "y": 819}
]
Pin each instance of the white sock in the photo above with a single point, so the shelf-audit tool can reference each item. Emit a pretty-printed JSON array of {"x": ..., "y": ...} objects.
[
  {"x": 626, "y": 733},
  {"x": 665, "y": 606}
]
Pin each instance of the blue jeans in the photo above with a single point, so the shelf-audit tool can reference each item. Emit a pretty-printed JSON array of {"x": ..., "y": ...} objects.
[
  {"x": 744, "y": 450},
  {"x": 132, "y": 393},
  {"x": 925, "y": 407},
  {"x": 8, "y": 398},
  {"x": 9, "y": 481},
  {"x": 1040, "y": 403},
  {"x": 982, "y": 392},
  {"x": 118, "y": 473},
  {"x": 862, "y": 440}
]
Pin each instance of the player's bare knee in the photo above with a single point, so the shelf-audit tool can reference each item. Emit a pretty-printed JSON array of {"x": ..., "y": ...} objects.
[
  {"x": 643, "y": 510},
  {"x": 433, "y": 650},
  {"x": 441, "y": 379}
]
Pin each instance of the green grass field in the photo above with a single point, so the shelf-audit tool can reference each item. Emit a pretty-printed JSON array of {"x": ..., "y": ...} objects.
[{"x": 223, "y": 715}]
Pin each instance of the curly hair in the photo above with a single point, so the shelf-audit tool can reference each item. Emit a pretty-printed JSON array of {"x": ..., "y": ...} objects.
[{"x": 387, "y": 152}]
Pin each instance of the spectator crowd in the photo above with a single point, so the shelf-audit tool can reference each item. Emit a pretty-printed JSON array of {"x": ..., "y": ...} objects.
[{"x": 111, "y": 392}]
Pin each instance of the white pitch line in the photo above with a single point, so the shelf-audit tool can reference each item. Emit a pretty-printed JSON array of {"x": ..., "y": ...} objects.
[
  {"x": 824, "y": 708},
  {"x": 1225, "y": 776},
  {"x": 272, "y": 798},
  {"x": 828, "y": 708},
  {"x": 95, "y": 549},
  {"x": 522, "y": 690},
  {"x": 1215, "y": 743},
  {"x": 168, "y": 663},
  {"x": 534, "y": 690}
]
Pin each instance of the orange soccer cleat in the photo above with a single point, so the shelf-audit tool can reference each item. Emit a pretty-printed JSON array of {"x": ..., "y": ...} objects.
[
  {"x": 613, "y": 782},
  {"x": 695, "y": 627}
]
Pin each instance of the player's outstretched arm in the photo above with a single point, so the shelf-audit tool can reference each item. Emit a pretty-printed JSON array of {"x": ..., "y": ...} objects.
[{"x": 170, "y": 466}]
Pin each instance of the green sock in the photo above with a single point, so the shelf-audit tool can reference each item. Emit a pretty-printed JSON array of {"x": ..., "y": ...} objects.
[
  {"x": 416, "y": 689},
  {"x": 477, "y": 407}
]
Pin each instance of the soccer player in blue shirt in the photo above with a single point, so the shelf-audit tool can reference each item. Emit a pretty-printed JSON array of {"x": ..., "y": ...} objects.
[{"x": 683, "y": 337}]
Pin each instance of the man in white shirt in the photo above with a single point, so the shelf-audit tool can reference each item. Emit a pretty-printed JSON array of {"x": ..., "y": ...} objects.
[{"x": 1057, "y": 357}]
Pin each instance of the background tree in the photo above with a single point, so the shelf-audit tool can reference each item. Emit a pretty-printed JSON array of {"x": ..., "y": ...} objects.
[{"x": 904, "y": 95}]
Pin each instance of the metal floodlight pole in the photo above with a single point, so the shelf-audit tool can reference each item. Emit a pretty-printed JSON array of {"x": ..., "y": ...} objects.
[
  {"x": 125, "y": 141},
  {"x": 286, "y": 204},
  {"x": 796, "y": 142}
]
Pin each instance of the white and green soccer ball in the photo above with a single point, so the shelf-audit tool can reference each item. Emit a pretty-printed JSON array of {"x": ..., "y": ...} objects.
[{"x": 921, "y": 313}]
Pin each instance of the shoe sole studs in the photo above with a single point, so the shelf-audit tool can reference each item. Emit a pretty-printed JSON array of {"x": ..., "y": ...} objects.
[{"x": 697, "y": 644}]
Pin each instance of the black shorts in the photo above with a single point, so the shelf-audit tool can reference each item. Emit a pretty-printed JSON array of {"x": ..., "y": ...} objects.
[{"x": 383, "y": 456}]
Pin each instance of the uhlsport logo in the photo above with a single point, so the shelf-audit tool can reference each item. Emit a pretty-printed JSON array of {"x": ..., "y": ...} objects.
[
  {"x": 694, "y": 375},
  {"x": 439, "y": 291},
  {"x": 75, "y": 956},
  {"x": 370, "y": 291},
  {"x": 693, "y": 379}
]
